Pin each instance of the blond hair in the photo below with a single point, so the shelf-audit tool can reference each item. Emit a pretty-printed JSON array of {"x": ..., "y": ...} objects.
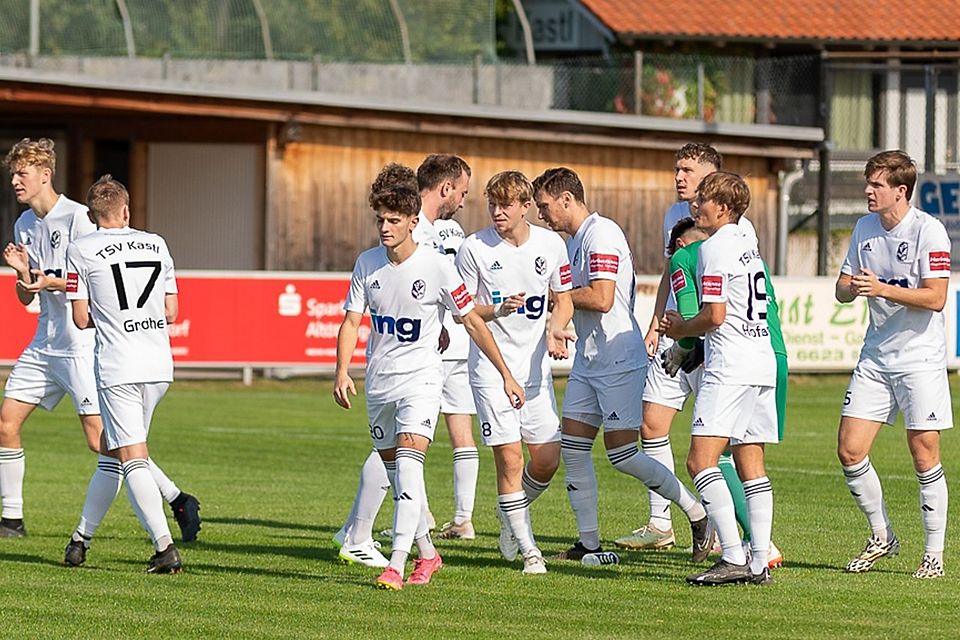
[
  {"x": 508, "y": 187},
  {"x": 32, "y": 153},
  {"x": 727, "y": 189},
  {"x": 106, "y": 197}
]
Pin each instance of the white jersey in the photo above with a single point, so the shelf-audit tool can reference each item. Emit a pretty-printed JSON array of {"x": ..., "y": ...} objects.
[
  {"x": 681, "y": 210},
  {"x": 609, "y": 342},
  {"x": 730, "y": 270},
  {"x": 426, "y": 233},
  {"x": 451, "y": 237},
  {"x": 126, "y": 274},
  {"x": 46, "y": 240},
  {"x": 901, "y": 338},
  {"x": 405, "y": 302},
  {"x": 494, "y": 270}
]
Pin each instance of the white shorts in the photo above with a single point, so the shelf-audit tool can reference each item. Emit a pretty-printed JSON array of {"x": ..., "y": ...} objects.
[
  {"x": 922, "y": 396},
  {"x": 128, "y": 410},
  {"x": 43, "y": 380},
  {"x": 745, "y": 414},
  {"x": 666, "y": 390},
  {"x": 610, "y": 400},
  {"x": 415, "y": 413},
  {"x": 457, "y": 398},
  {"x": 536, "y": 422}
]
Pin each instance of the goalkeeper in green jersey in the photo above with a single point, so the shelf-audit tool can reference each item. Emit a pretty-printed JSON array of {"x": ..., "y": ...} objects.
[{"x": 687, "y": 353}]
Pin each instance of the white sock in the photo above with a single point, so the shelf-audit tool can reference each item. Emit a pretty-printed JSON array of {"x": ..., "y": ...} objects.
[
  {"x": 146, "y": 501},
  {"x": 531, "y": 487},
  {"x": 101, "y": 492},
  {"x": 659, "y": 449},
  {"x": 631, "y": 461},
  {"x": 516, "y": 511},
  {"x": 581, "y": 480},
  {"x": 719, "y": 505},
  {"x": 933, "y": 508},
  {"x": 373, "y": 487},
  {"x": 422, "y": 538},
  {"x": 759, "y": 494},
  {"x": 408, "y": 513},
  {"x": 168, "y": 489},
  {"x": 864, "y": 484},
  {"x": 466, "y": 467},
  {"x": 12, "y": 468}
]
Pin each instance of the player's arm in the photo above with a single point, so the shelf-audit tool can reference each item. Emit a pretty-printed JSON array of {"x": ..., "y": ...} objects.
[
  {"x": 710, "y": 317},
  {"x": 685, "y": 291},
  {"x": 16, "y": 257},
  {"x": 931, "y": 295},
  {"x": 41, "y": 282},
  {"x": 171, "y": 307},
  {"x": 663, "y": 290},
  {"x": 597, "y": 296},
  {"x": 477, "y": 329},
  {"x": 81, "y": 314},
  {"x": 490, "y": 312},
  {"x": 843, "y": 290},
  {"x": 346, "y": 343},
  {"x": 557, "y": 332}
]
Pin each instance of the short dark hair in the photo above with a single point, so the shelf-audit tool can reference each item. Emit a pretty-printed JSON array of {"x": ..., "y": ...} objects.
[
  {"x": 898, "y": 168},
  {"x": 555, "y": 181},
  {"x": 106, "y": 196},
  {"x": 396, "y": 199},
  {"x": 438, "y": 167},
  {"x": 700, "y": 152},
  {"x": 393, "y": 174},
  {"x": 727, "y": 189},
  {"x": 678, "y": 232}
]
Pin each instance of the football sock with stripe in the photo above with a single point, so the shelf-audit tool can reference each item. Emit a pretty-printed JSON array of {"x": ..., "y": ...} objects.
[
  {"x": 12, "y": 468},
  {"x": 531, "y": 486},
  {"x": 864, "y": 485},
  {"x": 659, "y": 449},
  {"x": 466, "y": 467},
  {"x": 408, "y": 512},
  {"x": 729, "y": 471},
  {"x": 516, "y": 510},
  {"x": 719, "y": 505},
  {"x": 933, "y": 508},
  {"x": 373, "y": 487},
  {"x": 581, "y": 483},
  {"x": 759, "y": 493},
  {"x": 102, "y": 490},
  {"x": 168, "y": 489},
  {"x": 630, "y": 460},
  {"x": 146, "y": 501}
]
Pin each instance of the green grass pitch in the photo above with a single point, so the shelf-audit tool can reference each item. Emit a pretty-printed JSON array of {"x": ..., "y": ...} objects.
[{"x": 275, "y": 467}]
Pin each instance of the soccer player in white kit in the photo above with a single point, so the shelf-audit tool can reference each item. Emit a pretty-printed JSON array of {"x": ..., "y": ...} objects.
[
  {"x": 405, "y": 286},
  {"x": 736, "y": 401},
  {"x": 609, "y": 368},
  {"x": 59, "y": 359},
  {"x": 121, "y": 281},
  {"x": 899, "y": 259},
  {"x": 514, "y": 268},
  {"x": 665, "y": 395}
]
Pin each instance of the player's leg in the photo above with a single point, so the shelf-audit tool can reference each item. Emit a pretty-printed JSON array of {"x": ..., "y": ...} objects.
[
  {"x": 13, "y": 413},
  {"x": 466, "y": 468},
  {"x": 735, "y": 485},
  {"x": 582, "y": 417},
  {"x": 372, "y": 488},
  {"x": 869, "y": 402},
  {"x": 924, "y": 397}
]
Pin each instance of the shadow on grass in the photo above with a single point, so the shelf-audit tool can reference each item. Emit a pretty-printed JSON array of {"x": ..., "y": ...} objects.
[
  {"x": 272, "y": 524},
  {"x": 196, "y": 568},
  {"x": 28, "y": 559},
  {"x": 306, "y": 552}
]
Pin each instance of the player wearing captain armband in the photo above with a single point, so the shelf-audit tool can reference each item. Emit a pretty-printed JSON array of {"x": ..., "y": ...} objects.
[{"x": 405, "y": 286}]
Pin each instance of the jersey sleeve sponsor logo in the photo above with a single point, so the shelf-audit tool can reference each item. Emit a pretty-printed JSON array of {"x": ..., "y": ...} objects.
[
  {"x": 604, "y": 263},
  {"x": 678, "y": 280},
  {"x": 73, "y": 282},
  {"x": 566, "y": 277},
  {"x": 461, "y": 297},
  {"x": 712, "y": 285},
  {"x": 939, "y": 261}
]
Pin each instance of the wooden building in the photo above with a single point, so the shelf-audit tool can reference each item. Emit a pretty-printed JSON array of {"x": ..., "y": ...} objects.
[{"x": 260, "y": 180}]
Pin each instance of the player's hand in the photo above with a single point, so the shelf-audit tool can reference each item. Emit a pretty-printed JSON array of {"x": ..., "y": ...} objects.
[
  {"x": 15, "y": 255},
  {"x": 652, "y": 339},
  {"x": 444, "y": 343},
  {"x": 673, "y": 358},
  {"x": 514, "y": 392},
  {"x": 866, "y": 283},
  {"x": 670, "y": 324},
  {"x": 40, "y": 282},
  {"x": 510, "y": 305},
  {"x": 341, "y": 386},
  {"x": 695, "y": 358},
  {"x": 557, "y": 343}
]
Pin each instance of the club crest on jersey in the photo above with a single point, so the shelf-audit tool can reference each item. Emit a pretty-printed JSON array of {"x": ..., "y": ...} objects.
[
  {"x": 902, "y": 251},
  {"x": 540, "y": 265},
  {"x": 55, "y": 239},
  {"x": 418, "y": 289}
]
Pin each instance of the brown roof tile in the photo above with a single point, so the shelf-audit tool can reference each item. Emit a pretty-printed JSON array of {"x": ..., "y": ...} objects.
[{"x": 821, "y": 20}]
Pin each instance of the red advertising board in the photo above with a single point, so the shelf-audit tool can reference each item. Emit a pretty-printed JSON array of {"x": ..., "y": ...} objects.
[{"x": 261, "y": 319}]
